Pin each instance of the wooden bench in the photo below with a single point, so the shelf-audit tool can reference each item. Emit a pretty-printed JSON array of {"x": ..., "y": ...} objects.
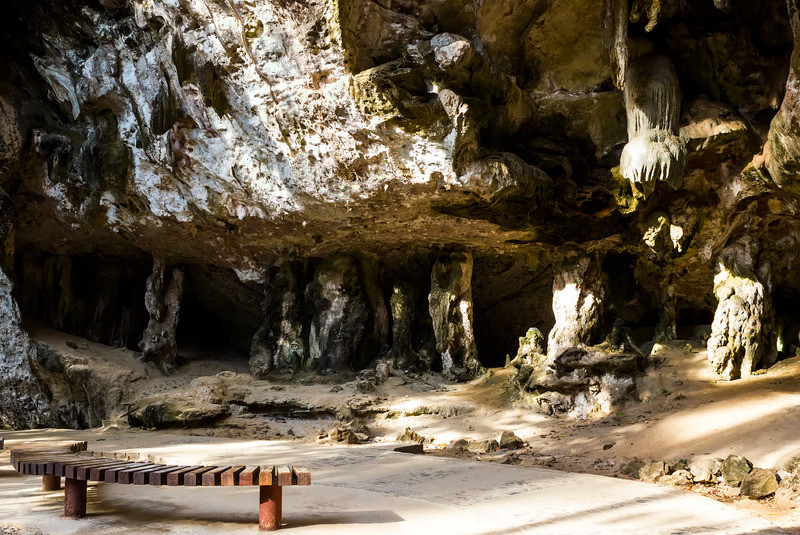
[{"x": 54, "y": 460}]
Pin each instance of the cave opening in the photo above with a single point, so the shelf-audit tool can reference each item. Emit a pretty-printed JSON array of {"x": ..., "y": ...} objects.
[
  {"x": 100, "y": 298},
  {"x": 510, "y": 295},
  {"x": 693, "y": 321},
  {"x": 218, "y": 315},
  {"x": 786, "y": 306}
]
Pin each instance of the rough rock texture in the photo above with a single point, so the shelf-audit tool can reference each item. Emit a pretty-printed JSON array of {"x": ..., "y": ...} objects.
[
  {"x": 278, "y": 343},
  {"x": 585, "y": 381},
  {"x": 653, "y": 471},
  {"x": 759, "y": 483},
  {"x": 25, "y": 403},
  {"x": 163, "y": 302},
  {"x": 450, "y": 303},
  {"x": 578, "y": 293},
  {"x": 593, "y": 158},
  {"x": 742, "y": 335},
  {"x": 734, "y": 469}
]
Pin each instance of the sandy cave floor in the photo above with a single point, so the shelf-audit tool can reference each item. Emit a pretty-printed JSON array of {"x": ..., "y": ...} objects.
[{"x": 687, "y": 414}]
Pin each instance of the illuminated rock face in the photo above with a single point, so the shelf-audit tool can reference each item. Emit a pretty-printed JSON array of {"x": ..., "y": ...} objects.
[
  {"x": 578, "y": 294},
  {"x": 298, "y": 162},
  {"x": 653, "y": 103},
  {"x": 742, "y": 335}
]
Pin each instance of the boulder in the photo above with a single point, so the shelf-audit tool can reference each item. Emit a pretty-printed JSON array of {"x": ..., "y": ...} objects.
[
  {"x": 343, "y": 434},
  {"x": 651, "y": 472},
  {"x": 173, "y": 412},
  {"x": 510, "y": 441},
  {"x": 631, "y": 468},
  {"x": 705, "y": 471},
  {"x": 734, "y": 468},
  {"x": 409, "y": 435},
  {"x": 681, "y": 478},
  {"x": 482, "y": 446},
  {"x": 759, "y": 483}
]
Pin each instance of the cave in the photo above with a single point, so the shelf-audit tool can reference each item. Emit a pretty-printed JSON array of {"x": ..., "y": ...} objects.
[
  {"x": 96, "y": 297},
  {"x": 786, "y": 307},
  {"x": 218, "y": 314},
  {"x": 510, "y": 295}
]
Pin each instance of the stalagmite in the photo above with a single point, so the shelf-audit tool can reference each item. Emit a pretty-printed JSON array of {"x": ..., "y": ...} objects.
[
  {"x": 653, "y": 103},
  {"x": 742, "y": 335},
  {"x": 163, "y": 302},
  {"x": 339, "y": 313},
  {"x": 278, "y": 343},
  {"x": 450, "y": 306},
  {"x": 578, "y": 293}
]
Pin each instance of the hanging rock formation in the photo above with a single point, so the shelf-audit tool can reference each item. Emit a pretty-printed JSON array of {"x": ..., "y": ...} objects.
[{"x": 653, "y": 103}]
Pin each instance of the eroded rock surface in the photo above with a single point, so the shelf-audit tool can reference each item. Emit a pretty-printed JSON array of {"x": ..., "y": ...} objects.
[{"x": 410, "y": 184}]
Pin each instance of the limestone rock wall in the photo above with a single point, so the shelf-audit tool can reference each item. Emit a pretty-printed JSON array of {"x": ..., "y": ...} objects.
[{"x": 327, "y": 157}]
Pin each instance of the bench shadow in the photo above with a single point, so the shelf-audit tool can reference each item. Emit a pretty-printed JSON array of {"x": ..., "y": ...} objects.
[{"x": 293, "y": 521}]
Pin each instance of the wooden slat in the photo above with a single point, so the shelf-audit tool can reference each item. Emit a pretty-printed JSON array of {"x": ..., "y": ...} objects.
[
  {"x": 159, "y": 477},
  {"x": 71, "y": 469},
  {"x": 125, "y": 477},
  {"x": 112, "y": 474},
  {"x": 98, "y": 473},
  {"x": 213, "y": 477},
  {"x": 249, "y": 476},
  {"x": 82, "y": 473},
  {"x": 175, "y": 478},
  {"x": 142, "y": 476},
  {"x": 194, "y": 478},
  {"x": 266, "y": 476},
  {"x": 300, "y": 476},
  {"x": 284, "y": 475},
  {"x": 231, "y": 477}
]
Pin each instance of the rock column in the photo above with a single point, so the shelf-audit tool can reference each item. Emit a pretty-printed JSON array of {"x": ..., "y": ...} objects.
[
  {"x": 339, "y": 312},
  {"x": 24, "y": 404},
  {"x": 742, "y": 335},
  {"x": 163, "y": 301},
  {"x": 450, "y": 306},
  {"x": 278, "y": 343},
  {"x": 578, "y": 293}
]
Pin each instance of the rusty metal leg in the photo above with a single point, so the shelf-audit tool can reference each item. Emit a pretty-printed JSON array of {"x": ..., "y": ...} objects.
[
  {"x": 269, "y": 509},
  {"x": 74, "y": 498},
  {"x": 51, "y": 482}
]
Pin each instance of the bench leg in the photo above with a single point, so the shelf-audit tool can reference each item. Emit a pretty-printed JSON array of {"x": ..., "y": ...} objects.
[
  {"x": 51, "y": 483},
  {"x": 74, "y": 498},
  {"x": 269, "y": 508}
]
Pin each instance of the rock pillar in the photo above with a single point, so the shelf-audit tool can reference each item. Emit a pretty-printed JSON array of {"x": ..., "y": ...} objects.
[
  {"x": 450, "y": 306},
  {"x": 24, "y": 404},
  {"x": 578, "y": 293},
  {"x": 339, "y": 311},
  {"x": 163, "y": 301},
  {"x": 278, "y": 343},
  {"x": 742, "y": 335}
]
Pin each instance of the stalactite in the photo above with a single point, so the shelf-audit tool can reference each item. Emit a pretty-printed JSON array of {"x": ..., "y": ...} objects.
[{"x": 653, "y": 101}]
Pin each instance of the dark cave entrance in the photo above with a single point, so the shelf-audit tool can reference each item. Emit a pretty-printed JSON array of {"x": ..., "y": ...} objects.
[
  {"x": 219, "y": 314},
  {"x": 786, "y": 305},
  {"x": 509, "y": 296},
  {"x": 100, "y": 298},
  {"x": 694, "y": 322}
]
